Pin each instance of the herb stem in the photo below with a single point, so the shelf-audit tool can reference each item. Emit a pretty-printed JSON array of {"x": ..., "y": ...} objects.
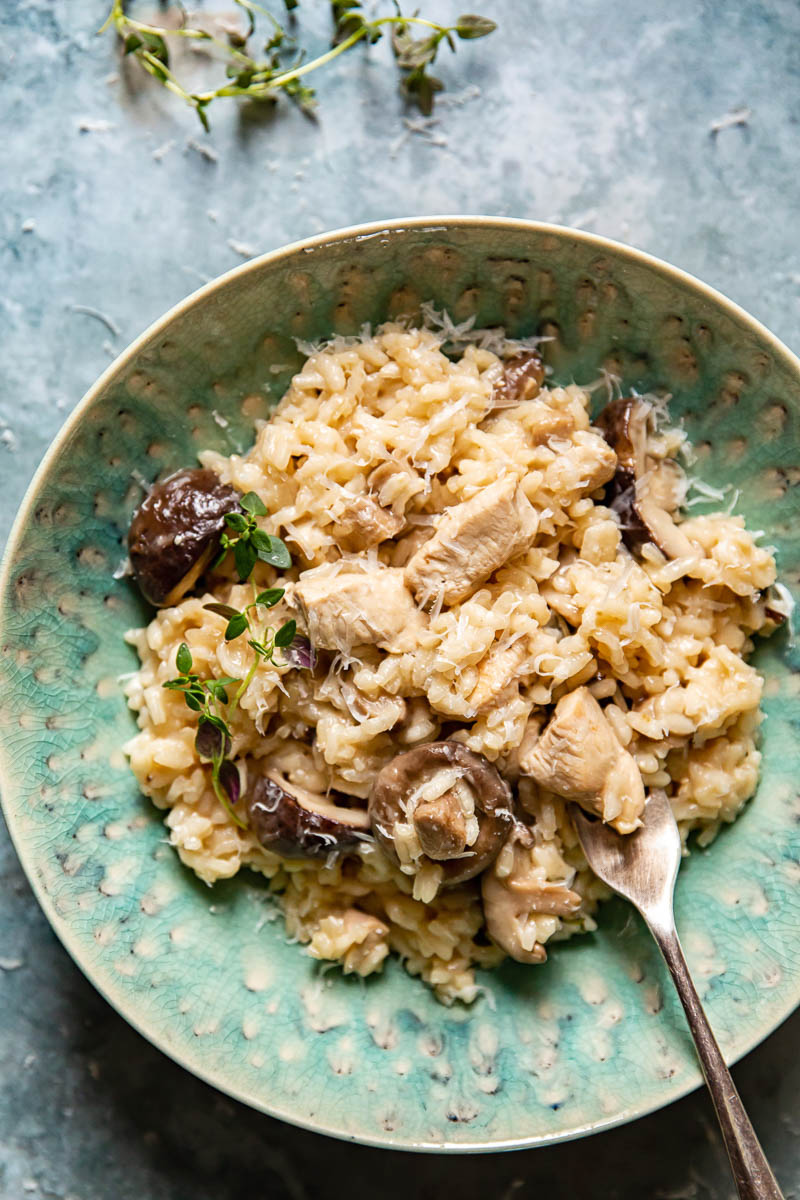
[
  {"x": 276, "y": 82},
  {"x": 266, "y": 79},
  {"x": 155, "y": 67},
  {"x": 219, "y": 792},
  {"x": 196, "y": 35},
  {"x": 243, "y": 686}
]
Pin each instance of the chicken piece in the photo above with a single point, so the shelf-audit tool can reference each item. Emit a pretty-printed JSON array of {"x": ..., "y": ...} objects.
[
  {"x": 584, "y": 467},
  {"x": 594, "y": 461},
  {"x": 496, "y": 671},
  {"x": 579, "y": 757},
  {"x": 520, "y": 902},
  {"x": 472, "y": 540},
  {"x": 362, "y": 523},
  {"x": 441, "y": 827},
  {"x": 353, "y": 609}
]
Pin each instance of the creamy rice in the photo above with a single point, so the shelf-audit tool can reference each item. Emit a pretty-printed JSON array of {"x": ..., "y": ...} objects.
[{"x": 661, "y": 644}]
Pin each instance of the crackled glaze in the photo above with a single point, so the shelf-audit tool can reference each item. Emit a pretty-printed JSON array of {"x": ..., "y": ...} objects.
[{"x": 596, "y": 1036}]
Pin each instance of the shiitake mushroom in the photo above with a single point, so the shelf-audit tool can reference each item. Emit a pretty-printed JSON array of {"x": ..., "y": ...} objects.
[
  {"x": 522, "y": 379},
  {"x": 175, "y": 532},
  {"x": 439, "y": 823},
  {"x": 623, "y": 424},
  {"x": 295, "y": 823}
]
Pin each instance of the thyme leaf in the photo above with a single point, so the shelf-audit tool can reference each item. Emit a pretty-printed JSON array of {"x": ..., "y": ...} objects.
[{"x": 249, "y": 543}]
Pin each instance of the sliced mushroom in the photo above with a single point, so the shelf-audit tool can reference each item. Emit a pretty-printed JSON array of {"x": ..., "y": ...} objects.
[
  {"x": 522, "y": 379},
  {"x": 778, "y": 607},
  {"x": 624, "y": 424},
  {"x": 175, "y": 532},
  {"x": 394, "y": 483},
  {"x": 578, "y": 756},
  {"x": 515, "y": 893},
  {"x": 440, "y": 804},
  {"x": 295, "y": 823}
]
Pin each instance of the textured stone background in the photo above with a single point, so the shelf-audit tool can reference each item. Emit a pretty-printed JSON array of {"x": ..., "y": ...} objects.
[{"x": 578, "y": 111}]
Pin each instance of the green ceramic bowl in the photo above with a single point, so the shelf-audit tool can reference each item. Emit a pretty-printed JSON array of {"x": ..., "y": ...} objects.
[{"x": 595, "y": 1037}]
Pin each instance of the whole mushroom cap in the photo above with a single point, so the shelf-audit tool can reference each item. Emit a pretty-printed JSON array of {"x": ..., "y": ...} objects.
[
  {"x": 396, "y": 782},
  {"x": 176, "y": 530}
]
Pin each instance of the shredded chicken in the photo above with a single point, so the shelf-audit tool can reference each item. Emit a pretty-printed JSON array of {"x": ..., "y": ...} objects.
[
  {"x": 500, "y": 667},
  {"x": 350, "y": 609},
  {"x": 579, "y": 757},
  {"x": 472, "y": 540}
]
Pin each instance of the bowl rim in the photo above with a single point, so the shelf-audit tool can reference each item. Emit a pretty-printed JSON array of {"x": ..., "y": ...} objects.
[{"x": 121, "y": 1004}]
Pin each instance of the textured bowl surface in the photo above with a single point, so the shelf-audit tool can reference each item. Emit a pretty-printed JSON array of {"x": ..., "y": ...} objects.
[{"x": 596, "y": 1036}]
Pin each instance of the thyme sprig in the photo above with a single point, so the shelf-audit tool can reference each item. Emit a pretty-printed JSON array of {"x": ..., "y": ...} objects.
[
  {"x": 281, "y": 68},
  {"x": 213, "y": 738},
  {"x": 239, "y": 622},
  {"x": 248, "y": 542},
  {"x": 211, "y": 697}
]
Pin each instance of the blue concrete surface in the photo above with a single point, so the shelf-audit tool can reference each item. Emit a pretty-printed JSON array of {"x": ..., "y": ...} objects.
[{"x": 585, "y": 113}]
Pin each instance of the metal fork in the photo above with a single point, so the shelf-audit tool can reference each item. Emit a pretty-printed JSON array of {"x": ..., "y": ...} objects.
[{"x": 642, "y": 868}]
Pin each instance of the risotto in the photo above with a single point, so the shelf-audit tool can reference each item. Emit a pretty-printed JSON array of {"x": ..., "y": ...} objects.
[{"x": 430, "y": 610}]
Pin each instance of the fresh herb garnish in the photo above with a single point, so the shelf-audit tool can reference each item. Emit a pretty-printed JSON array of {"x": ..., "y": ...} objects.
[
  {"x": 282, "y": 67},
  {"x": 239, "y": 620},
  {"x": 301, "y": 653},
  {"x": 248, "y": 542},
  {"x": 213, "y": 738},
  {"x": 210, "y": 697}
]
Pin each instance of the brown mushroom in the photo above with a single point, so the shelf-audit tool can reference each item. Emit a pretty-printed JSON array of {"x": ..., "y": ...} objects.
[
  {"x": 624, "y": 425},
  {"x": 440, "y": 804},
  {"x": 522, "y": 379},
  {"x": 515, "y": 892},
  {"x": 291, "y": 821},
  {"x": 176, "y": 531},
  {"x": 394, "y": 483}
]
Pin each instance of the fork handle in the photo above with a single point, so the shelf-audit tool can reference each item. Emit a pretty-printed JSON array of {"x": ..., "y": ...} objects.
[{"x": 751, "y": 1171}]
